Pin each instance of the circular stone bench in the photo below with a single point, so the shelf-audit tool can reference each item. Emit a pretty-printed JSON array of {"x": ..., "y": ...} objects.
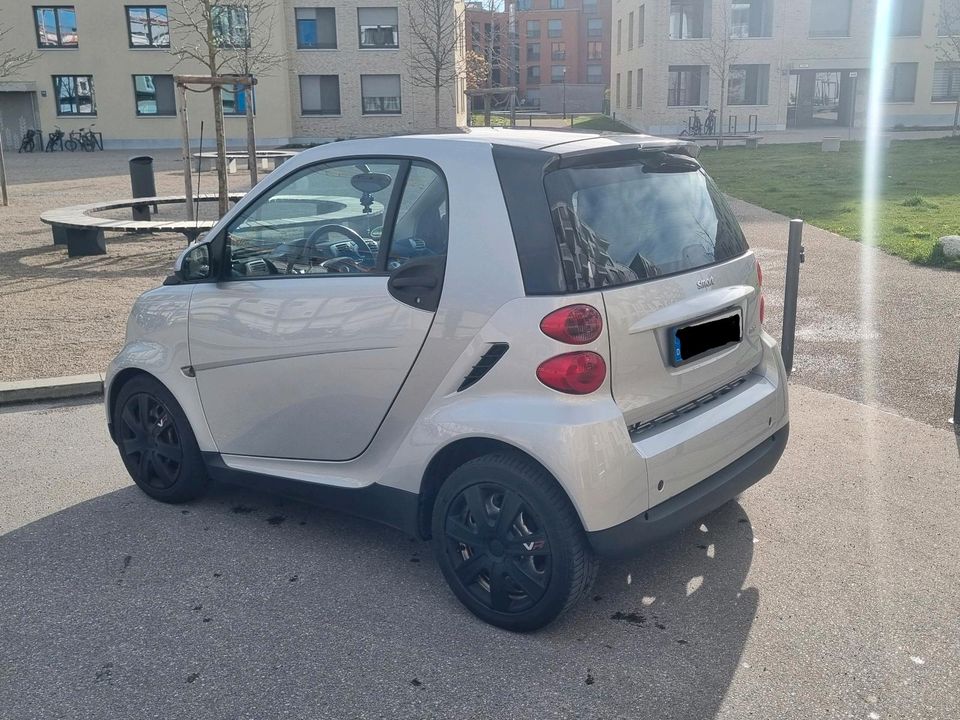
[
  {"x": 269, "y": 159},
  {"x": 82, "y": 232}
]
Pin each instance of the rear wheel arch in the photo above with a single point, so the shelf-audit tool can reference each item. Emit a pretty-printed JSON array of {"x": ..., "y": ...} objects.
[{"x": 456, "y": 454}]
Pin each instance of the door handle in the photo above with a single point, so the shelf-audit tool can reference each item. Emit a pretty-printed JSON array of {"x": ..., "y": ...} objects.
[{"x": 414, "y": 282}]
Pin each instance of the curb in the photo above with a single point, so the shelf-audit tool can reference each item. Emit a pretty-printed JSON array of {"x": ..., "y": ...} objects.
[{"x": 58, "y": 388}]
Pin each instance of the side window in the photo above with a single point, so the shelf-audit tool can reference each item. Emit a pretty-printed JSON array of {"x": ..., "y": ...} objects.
[
  {"x": 422, "y": 221},
  {"x": 323, "y": 219}
]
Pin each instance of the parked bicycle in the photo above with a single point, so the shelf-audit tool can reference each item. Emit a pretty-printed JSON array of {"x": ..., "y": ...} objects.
[
  {"x": 84, "y": 138},
  {"x": 710, "y": 124},
  {"x": 55, "y": 139},
  {"x": 694, "y": 124},
  {"x": 28, "y": 142}
]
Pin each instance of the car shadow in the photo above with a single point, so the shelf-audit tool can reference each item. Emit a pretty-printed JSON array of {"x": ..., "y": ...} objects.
[{"x": 247, "y": 605}]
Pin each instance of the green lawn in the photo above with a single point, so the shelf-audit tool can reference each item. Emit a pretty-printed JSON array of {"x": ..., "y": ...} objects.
[
  {"x": 920, "y": 194},
  {"x": 495, "y": 120},
  {"x": 599, "y": 123}
]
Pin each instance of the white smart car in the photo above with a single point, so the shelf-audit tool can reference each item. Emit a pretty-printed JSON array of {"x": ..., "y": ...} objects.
[{"x": 535, "y": 348}]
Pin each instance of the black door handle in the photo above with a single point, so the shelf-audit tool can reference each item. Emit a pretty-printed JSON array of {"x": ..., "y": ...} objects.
[{"x": 414, "y": 282}]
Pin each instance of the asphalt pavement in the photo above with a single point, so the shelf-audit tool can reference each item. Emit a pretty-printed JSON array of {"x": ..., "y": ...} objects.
[{"x": 828, "y": 590}]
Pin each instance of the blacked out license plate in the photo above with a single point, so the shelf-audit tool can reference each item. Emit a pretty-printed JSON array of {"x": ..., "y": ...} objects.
[{"x": 692, "y": 341}]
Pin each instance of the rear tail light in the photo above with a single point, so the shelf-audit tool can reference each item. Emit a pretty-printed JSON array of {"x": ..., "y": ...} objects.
[
  {"x": 577, "y": 373},
  {"x": 763, "y": 301},
  {"x": 574, "y": 324}
]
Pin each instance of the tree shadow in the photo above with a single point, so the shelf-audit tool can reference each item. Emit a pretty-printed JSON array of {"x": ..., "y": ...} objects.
[{"x": 248, "y": 605}]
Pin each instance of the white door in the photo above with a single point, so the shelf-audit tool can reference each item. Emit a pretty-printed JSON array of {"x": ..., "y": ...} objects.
[{"x": 320, "y": 309}]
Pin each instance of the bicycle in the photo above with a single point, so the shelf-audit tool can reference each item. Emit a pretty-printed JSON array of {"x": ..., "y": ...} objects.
[
  {"x": 54, "y": 139},
  {"x": 710, "y": 124},
  {"x": 27, "y": 142},
  {"x": 694, "y": 125}
]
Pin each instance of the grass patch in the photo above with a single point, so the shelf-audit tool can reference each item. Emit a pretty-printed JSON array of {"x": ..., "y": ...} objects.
[
  {"x": 476, "y": 120},
  {"x": 919, "y": 196},
  {"x": 599, "y": 123}
]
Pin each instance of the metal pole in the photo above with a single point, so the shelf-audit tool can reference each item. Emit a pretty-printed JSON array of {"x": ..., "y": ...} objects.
[
  {"x": 790, "y": 289},
  {"x": 3, "y": 176},
  {"x": 956, "y": 403}
]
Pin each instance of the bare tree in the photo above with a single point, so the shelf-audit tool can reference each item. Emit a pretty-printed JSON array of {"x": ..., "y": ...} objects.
[
  {"x": 721, "y": 50},
  {"x": 437, "y": 32},
  {"x": 224, "y": 37},
  {"x": 12, "y": 61},
  {"x": 948, "y": 48}
]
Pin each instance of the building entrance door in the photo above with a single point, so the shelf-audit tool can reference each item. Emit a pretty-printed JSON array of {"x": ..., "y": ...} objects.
[{"x": 821, "y": 98}]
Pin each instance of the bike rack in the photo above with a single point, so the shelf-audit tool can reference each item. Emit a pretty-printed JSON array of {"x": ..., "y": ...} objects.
[
  {"x": 732, "y": 125},
  {"x": 753, "y": 124}
]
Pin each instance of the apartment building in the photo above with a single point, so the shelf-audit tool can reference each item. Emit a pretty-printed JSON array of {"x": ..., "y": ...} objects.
[
  {"x": 532, "y": 44},
  {"x": 791, "y": 63},
  {"x": 341, "y": 71}
]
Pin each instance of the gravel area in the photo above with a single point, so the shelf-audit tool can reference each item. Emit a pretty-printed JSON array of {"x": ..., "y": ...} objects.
[
  {"x": 915, "y": 331},
  {"x": 66, "y": 316}
]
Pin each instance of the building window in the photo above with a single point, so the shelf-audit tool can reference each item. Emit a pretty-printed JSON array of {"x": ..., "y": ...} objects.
[
  {"x": 946, "y": 81},
  {"x": 316, "y": 28},
  {"x": 533, "y": 51},
  {"x": 948, "y": 23},
  {"x": 594, "y": 50},
  {"x": 558, "y": 73},
  {"x": 533, "y": 74},
  {"x": 148, "y": 26},
  {"x": 641, "y": 31},
  {"x": 234, "y": 101},
  {"x": 595, "y": 27},
  {"x": 558, "y": 51},
  {"x": 639, "y": 88},
  {"x": 231, "y": 26},
  {"x": 378, "y": 28},
  {"x": 684, "y": 85},
  {"x": 524, "y": 4},
  {"x": 381, "y": 94},
  {"x": 554, "y": 28},
  {"x": 630, "y": 32},
  {"x": 56, "y": 26},
  {"x": 687, "y": 19},
  {"x": 74, "y": 94},
  {"x": 751, "y": 18},
  {"x": 153, "y": 95},
  {"x": 533, "y": 97},
  {"x": 594, "y": 74},
  {"x": 830, "y": 18},
  {"x": 319, "y": 95},
  {"x": 589, "y": 6},
  {"x": 533, "y": 29},
  {"x": 629, "y": 88},
  {"x": 901, "y": 82},
  {"x": 617, "y": 94},
  {"x": 619, "y": 34},
  {"x": 907, "y": 18},
  {"x": 748, "y": 84},
  {"x": 558, "y": 4}
]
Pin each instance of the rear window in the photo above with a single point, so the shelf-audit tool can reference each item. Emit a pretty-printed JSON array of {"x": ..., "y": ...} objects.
[{"x": 620, "y": 224}]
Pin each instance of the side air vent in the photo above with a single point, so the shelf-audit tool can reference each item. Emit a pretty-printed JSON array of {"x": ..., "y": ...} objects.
[{"x": 489, "y": 359}]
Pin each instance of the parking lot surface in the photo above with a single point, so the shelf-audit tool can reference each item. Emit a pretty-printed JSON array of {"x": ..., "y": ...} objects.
[{"x": 825, "y": 591}]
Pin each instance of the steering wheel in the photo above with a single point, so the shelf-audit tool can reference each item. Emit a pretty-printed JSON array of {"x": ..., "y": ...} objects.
[
  {"x": 342, "y": 265},
  {"x": 311, "y": 242}
]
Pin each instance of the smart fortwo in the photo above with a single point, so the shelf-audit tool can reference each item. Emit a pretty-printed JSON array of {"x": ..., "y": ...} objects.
[{"x": 533, "y": 348}]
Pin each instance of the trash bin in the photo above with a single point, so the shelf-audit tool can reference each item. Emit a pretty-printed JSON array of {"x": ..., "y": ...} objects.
[{"x": 143, "y": 184}]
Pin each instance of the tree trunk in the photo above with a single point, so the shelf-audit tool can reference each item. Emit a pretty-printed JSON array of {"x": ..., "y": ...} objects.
[
  {"x": 436, "y": 102},
  {"x": 223, "y": 200},
  {"x": 251, "y": 136},
  {"x": 185, "y": 148},
  {"x": 719, "y": 123},
  {"x": 956, "y": 118}
]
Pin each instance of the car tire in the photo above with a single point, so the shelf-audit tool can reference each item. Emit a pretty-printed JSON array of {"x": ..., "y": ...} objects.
[
  {"x": 524, "y": 572},
  {"x": 156, "y": 443}
]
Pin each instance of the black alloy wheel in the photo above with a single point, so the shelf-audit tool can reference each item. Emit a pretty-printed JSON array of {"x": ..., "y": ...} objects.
[
  {"x": 509, "y": 542},
  {"x": 498, "y": 547},
  {"x": 156, "y": 442},
  {"x": 148, "y": 436}
]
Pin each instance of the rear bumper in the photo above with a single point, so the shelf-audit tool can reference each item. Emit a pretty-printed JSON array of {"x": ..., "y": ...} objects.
[{"x": 675, "y": 513}]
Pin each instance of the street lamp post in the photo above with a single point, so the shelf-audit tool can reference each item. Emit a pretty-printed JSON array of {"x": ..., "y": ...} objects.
[{"x": 564, "y": 80}]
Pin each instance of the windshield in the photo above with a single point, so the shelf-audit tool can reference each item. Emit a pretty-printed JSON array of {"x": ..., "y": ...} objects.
[{"x": 618, "y": 224}]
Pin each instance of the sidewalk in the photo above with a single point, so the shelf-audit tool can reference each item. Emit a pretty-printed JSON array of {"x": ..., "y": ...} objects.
[{"x": 916, "y": 324}]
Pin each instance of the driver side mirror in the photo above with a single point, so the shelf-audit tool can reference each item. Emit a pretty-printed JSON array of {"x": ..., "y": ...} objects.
[{"x": 192, "y": 265}]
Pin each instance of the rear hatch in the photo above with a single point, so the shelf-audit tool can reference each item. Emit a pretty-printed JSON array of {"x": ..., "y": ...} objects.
[{"x": 679, "y": 285}]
